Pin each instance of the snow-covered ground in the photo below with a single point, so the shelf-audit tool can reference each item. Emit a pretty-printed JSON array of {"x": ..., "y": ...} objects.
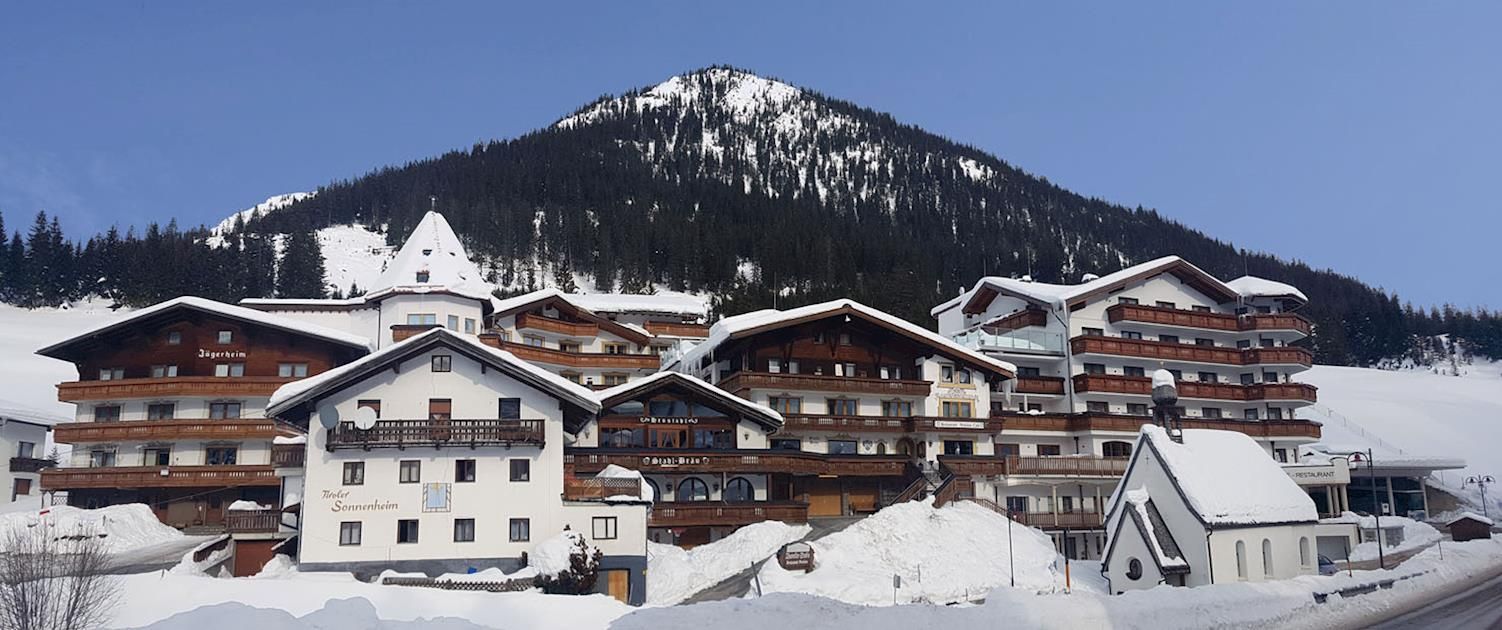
[
  {"x": 1416, "y": 535},
  {"x": 122, "y": 528},
  {"x": 674, "y": 574}
]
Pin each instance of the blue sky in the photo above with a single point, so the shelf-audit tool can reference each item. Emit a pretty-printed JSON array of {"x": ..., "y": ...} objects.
[{"x": 1354, "y": 135}]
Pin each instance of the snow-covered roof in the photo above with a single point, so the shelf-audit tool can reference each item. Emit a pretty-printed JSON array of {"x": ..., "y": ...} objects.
[
  {"x": 1252, "y": 286},
  {"x": 1470, "y": 515},
  {"x": 1155, "y": 532},
  {"x": 753, "y": 411},
  {"x": 434, "y": 248},
  {"x": 1228, "y": 479},
  {"x": 739, "y": 325},
  {"x": 305, "y": 302},
  {"x": 297, "y": 392},
  {"x": 516, "y": 303},
  {"x": 1058, "y": 295},
  {"x": 11, "y": 411},
  {"x": 667, "y": 303},
  {"x": 230, "y": 311},
  {"x": 1382, "y": 460}
]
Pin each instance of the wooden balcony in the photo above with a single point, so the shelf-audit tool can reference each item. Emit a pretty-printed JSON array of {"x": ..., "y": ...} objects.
[
  {"x": 600, "y": 489},
  {"x": 1050, "y": 466},
  {"x": 289, "y": 455},
  {"x": 1170, "y": 351},
  {"x": 252, "y": 521},
  {"x": 159, "y": 477},
  {"x": 593, "y": 460},
  {"x": 29, "y": 464},
  {"x": 1141, "y": 385},
  {"x": 949, "y": 425},
  {"x": 537, "y": 354},
  {"x": 1060, "y": 520},
  {"x": 1047, "y": 385},
  {"x": 676, "y": 329},
  {"x": 687, "y": 514},
  {"x": 571, "y": 329},
  {"x": 149, "y": 430},
  {"x": 403, "y": 332},
  {"x": 812, "y": 422},
  {"x": 194, "y": 386},
  {"x": 1021, "y": 319},
  {"x": 1225, "y": 322},
  {"x": 1131, "y": 424},
  {"x": 743, "y": 381},
  {"x": 435, "y": 433}
]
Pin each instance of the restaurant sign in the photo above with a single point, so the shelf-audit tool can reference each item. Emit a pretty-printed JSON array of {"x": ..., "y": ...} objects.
[
  {"x": 960, "y": 424},
  {"x": 668, "y": 420},
  {"x": 672, "y": 461},
  {"x": 1329, "y": 474}
]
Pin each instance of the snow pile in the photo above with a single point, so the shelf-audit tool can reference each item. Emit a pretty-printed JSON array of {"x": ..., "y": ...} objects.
[
  {"x": 221, "y": 551},
  {"x": 675, "y": 574},
  {"x": 1416, "y": 534},
  {"x": 662, "y": 302},
  {"x": 279, "y": 567},
  {"x": 1252, "y": 286},
  {"x": 120, "y": 527},
  {"x": 1229, "y": 479},
  {"x": 551, "y": 556},
  {"x": 246, "y": 506},
  {"x": 950, "y": 554},
  {"x": 617, "y": 472},
  {"x": 342, "y": 614}
]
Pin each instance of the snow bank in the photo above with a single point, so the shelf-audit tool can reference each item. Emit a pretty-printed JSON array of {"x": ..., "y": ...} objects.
[
  {"x": 675, "y": 574},
  {"x": 121, "y": 527},
  {"x": 550, "y": 556},
  {"x": 616, "y": 472},
  {"x": 955, "y": 553},
  {"x": 245, "y": 506},
  {"x": 1416, "y": 534},
  {"x": 343, "y": 614}
]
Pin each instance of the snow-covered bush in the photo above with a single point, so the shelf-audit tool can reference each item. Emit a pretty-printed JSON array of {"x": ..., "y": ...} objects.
[{"x": 579, "y": 576}]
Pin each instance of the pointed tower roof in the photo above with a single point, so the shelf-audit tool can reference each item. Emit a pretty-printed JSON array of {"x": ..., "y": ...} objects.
[{"x": 432, "y": 260}]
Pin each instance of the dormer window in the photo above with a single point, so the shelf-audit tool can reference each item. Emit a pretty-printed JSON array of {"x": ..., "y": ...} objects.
[
  {"x": 422, "y": 276},
  {"x": 427, "y": 252}
]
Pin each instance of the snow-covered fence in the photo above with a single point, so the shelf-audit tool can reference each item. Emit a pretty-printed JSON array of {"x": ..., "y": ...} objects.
[{"x": 1368, "y": 587}]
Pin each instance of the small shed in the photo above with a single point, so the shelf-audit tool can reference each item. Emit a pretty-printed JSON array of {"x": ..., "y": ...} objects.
[{"x": 1469, "y": 526}]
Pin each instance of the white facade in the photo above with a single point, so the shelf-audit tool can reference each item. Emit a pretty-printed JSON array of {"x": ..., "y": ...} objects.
[{"x": 23, "y": 439}]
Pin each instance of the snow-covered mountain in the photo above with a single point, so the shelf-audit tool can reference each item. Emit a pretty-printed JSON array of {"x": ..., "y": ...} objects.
[{"x": 261, "y": 209}]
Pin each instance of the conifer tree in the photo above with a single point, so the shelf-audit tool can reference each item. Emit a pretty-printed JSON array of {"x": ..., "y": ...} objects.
[{"x": 300, "y": 271}]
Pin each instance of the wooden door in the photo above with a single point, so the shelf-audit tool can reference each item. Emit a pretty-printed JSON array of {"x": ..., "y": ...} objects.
[
  {"x": 824, "y": 498},
  {"x": 22, "y": 488},
  {"x": 618, "y": 584}
]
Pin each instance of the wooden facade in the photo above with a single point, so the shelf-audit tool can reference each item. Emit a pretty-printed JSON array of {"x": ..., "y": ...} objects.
[
  {"x": 1142, "y": 385},
  {"x": 113, "y": 477},
  {"x": 1170, "y": 351},
  {"x": 1131, "y": 424},
  {"x": 550, "y": 356},
  {"x": 1225, "y": 322},
  {"x": 177, "y": 429}
]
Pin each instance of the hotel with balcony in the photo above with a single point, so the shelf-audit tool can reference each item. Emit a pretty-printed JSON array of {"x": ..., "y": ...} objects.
[
  {"x": 170, "y": 406},
  {"x": 1084, "y": 354}
]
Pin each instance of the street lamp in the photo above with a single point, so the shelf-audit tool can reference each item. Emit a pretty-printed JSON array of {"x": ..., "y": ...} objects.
[
  {"x": 1480, "y": 481},
  {"x": 1377, "y": 512}
]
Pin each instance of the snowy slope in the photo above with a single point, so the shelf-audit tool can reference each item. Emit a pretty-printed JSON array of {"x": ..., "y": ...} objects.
[
  {"x": 260, "y": 209},
  {"x": 30, "y": 380}
]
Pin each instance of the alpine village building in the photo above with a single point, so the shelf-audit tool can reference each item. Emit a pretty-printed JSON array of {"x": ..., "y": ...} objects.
[{"x": 1028, "y": 401}]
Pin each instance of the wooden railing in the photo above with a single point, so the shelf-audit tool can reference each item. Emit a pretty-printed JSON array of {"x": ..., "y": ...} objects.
[
  {"x": 676, "y": 329},
  {"x": 207, "y": 386},
  {"x": 917, "y": 489},
  {"x": 29, "y": 464},
  {"x": 451, "y": 432},
  {"x": 252, "y": 521},
  {"x": 1051, "y": 466},
  {"x": 1124, "y": 423},
  {"x": 1052, "y": 385},
  {"x": 572, "y": 329},
  {"x": 403, "y": 332},
  {"x": 1141, "y": 385},
  {"x": 179, "y": 429},
  {"x": 600, "y": 488},
  {"x": 946, "y": 424},
  {"x": 1051, "y": 520},
  {"x": 289, "y": 455},
  {"x": 1208, "y": 321},
  {"x": 550, "y": 356},
  {"x": 159, "y": 477},
  {"x": 592, "y": 460},
  {"x": 954, "y": 487},
  {"x": 744, "y": 380},
  {"x": 813, "y": 422},
  {"x": 1020, "y": 319},
  {"x": 1170, "y": 351},
  {"x": 687, "y": 514}
]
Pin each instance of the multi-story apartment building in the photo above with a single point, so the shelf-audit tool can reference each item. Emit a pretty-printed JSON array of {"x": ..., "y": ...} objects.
[
  {"x": 23, "y": 434},
  {"x": 1084, "y": 354},
  {"x": 171, "y": 406},
  {"x": 457, "y": 464}
]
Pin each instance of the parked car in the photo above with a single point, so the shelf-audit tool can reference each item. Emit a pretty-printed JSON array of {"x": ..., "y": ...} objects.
[{"x": 1327, "y": 566}]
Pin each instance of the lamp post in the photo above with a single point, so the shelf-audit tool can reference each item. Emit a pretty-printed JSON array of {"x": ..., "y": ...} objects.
[
  {"x": 1011, "y": 555},
  {"x": 1480, "y": 481},
  {"x": 1376, "y": 503}
]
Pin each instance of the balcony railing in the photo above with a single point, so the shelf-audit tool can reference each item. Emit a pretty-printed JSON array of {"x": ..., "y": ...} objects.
[
  {"x": 743, "y": 380},
  {"x": 942, "y": 424},
  {"x": 1051, "y": 520},
  {"x": 1170, "y": 351},
  {"x": 812, "y": 422},
  {"x": 29, "y": 464},
  {"x": 676, "y": 329},
  {"x": 451, "y": 432},
  {"x": 687, "y": 514},
  {"x": 205, "y": 386},
  {"x": 1141, "y": 385},
  {"x": 1207, "y": 321},
  {"x": 1131, "y": 424},
  {"x": 1046, "y": 466},
  {"x": 572, "y": 329},
  {"x": 1050, "y": 385},
  {"x": 600, "y": 489},
  {"x": 592, "y": 460},
  {"x": 1025, "y": 340},
  {"x": 183, "y": 429},
  {"x": 252, "y": 521},
  {"x": 159, "y": 477},
  {"x": 402, "y": 332},
  {"x": 289, "y": 455},
  {"x": 550, "y": 356}
]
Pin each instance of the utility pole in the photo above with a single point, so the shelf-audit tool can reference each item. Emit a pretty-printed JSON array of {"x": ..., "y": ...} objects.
[{"x": 1376, "y": 504}]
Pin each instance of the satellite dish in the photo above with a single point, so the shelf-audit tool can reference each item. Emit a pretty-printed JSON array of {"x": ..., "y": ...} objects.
[
  {"x": 364, "y": 418},
  {"x": 328, "y": 416}
]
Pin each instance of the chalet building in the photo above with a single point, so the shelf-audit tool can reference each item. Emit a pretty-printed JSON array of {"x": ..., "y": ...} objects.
[
  {"x": 1084, "y": 354},
  {"x": 1206, "y": 507},
  {"x": 171, "y": 406},
  {"x": 23, "y": 433},
  {"x": 441, "y": 454}
]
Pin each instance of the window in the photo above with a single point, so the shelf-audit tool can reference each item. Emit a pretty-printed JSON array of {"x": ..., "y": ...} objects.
[
  {"x": 1092, "y": 332},
  {"x": 1134, "y": 569},
  {"x": 1178, "y": 375},
  {"x": 1201, "y": 341},
  {"x": 1127, "y": 300},
  {"x": 738, "y": 490},
  {"x": 101, "y": 458},
  {"x": 1066, "y": 504},
  {"x": 1281, "y": 455},
  {"x": 1025, "y": 371},
  {"x": 453, "y": 322},
  {"x": 956, "y": 409},
  {"x": 963, "y": 375},
  {"x": 1130, "y": 334},
  {"x": 842, "y": 406},
  {"x": 603, "y": 528},
  {"x": 787, "y": 444},
  {"x": 469, "y": 325},
  {"x": 422, "y": 319},
  {"x": 354, "y": 473},
  {"x": 174, "y": 338},
  {"x": 1048, "y": 450},
  {"x": 349, "y": 533},
  {"x": 163, "y": 371},
  {"x": 1274, "y": 413},
  {"x": 1207, "y": 377},
  {"x": 946, "y": 373},
  {"x": 1095, "y": 368},
  {"x": 423, "y": 276},
  {"x": 443, "y": 363},
  {"x": 224, "y": 410},
  {"x": 843, "y": 447},
  {"x": 521, "y": 470},
  {"x": 107, "y": 413},
  {"x": 406, "y": 531},
  {"x": 774, "y": 366},
  {"x": 1009, "y": 450},
  {"x": 1248, "y": 378},
  {"x": 521, "y": 530},
  {"x": 292, "y": 370},
  {"x": 1269, "y": 377},
  {"x": 534, "y": 341},
  {"x": 1210, "y": 412},
  {"x": 1016, "y": 505},
  {"x": 221, "y": 455},
  {"x": 1133, "y": 370},
  {"x": 844, "y": 339},
  {"x": 786, "y": 404},
  {"x": 692, "y": 489},
  {"x": 893, "y": 372},
  {"x": 1165, "y": 304},
  {"x": 226, "y": 336},
  {"x": 792, "y": 366},
  {"x": 1265, "y": 342},
  {"x": 573, "y": 377},
  {"x": 229, "y": 370},
  {"x": 26, "y": 449},
  {"x": 464, "y": 530},
  {"x": 896, "y": 408},
  {"x": 1249, "y": 414},
  {"x": 819, "y": 337},
  {"x": 509, "y": 409},
  {"x": 1137, "y": 409},
  {"x": 374, "y": 405},
  {"x": 1116, "y": 449},
  {"x": 1168, "y": 338},
  {"x": 615, "y": 348},
  {"x": 1241, "y": 559},
  {"x": 1198, "y": 308},
  {"x": 440, "y": 408},
  {"x": 1304, "y": 555},
  {"x": 1097, "y": 406},
  {"x": 612, "y": 379},
  {"x": 959, "y": 447},
  {"x": 1244, "y": 344},
  {"x": 464, "y": 471},
  {"x": 158, "y": 456},
  {"x": 409, "y": 471},
  {"x": 844, "y": 369},
  {"x": 159, "y": 411},
  {"x": 111, "y": 374},
  {"x": 1267, "y": 558}
]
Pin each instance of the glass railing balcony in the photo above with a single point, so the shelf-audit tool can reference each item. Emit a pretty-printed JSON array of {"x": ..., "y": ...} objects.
[{"x": 1023, "y": 340}]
